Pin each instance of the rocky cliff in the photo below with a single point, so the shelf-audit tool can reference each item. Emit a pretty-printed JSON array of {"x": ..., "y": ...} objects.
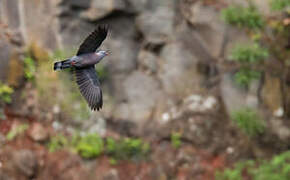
[{"x": 167, "y": 71}]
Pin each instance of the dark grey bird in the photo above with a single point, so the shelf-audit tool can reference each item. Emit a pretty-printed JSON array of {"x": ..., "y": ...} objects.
[{"x": 83, "y": 65}]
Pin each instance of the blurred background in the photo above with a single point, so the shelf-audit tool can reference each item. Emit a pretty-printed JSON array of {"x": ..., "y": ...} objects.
[{"x": 193, "y": 89}]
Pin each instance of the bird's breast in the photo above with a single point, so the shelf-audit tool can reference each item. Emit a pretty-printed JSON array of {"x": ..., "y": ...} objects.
[{"x": 86, "y": 60}]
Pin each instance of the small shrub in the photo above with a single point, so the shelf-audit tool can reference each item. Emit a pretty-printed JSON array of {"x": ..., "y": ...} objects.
[
  {"x": 175, "y": 140},
  {"x": 249, "y": 121},
  {"x": 248, "y": 54},
  {"x": 5, "y": 93},
  {"x": 111, "y": 145},
  {"x": 245, "y": 76},
  {"x": 18, "y": 130},
  {"x": 128, "y": 148},
  {"x": 234, "y": 174},
  {"x": 276, "y": 169},
  {"x": 90, "y": 146},
  {"x": 278, "y": 5},
  {"x": 29, "y": 68},
  {"x": 57, "y": 142},
  {"x": 243, "y": 17}
]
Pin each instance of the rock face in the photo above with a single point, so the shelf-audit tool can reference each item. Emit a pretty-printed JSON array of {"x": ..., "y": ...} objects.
[
  {"x": 157, "y": 49},
  {"x": 139, "y": 87},
  {"x": 148, "y": 61},
  {"x": 4, "y": 56},
  {"x": 177, "y": 64},
  {"x": 99, "y": 9},
  {"x": 26, "y": 163},
  {"x": 157, "y": 26},
  {"x": 38, "y": 133},
  {"x": 236, "y": 98},
  {"x": 164, "y": 75}
]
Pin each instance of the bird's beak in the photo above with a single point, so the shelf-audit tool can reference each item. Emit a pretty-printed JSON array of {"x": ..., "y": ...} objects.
[{"x": 108, "y": 53}]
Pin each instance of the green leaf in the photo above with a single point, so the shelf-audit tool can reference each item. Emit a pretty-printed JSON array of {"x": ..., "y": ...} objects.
[
  {"x": 5, "y": 93},
  {"x": 175, "y": 140},
  {"x": 16, "y": 131},
  {"x": 29, "y": 68},
  {"x": 248, "y": 17},
  {"x": 249, "y": 121}
]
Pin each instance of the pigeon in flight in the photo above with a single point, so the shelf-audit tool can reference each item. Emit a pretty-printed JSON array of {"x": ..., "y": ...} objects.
[{"x": 83, "y": 65}]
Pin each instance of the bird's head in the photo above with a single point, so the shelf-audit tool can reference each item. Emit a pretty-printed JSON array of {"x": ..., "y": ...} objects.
[{"x": 103, "y": 53}]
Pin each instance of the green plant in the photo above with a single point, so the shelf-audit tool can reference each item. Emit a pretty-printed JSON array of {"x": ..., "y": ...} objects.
[
  {"x": 249, "y": 121},
  {"x": 57, "y": 143},
  {"x": 17, "y": 130},
  {"x": 243, "y": 17},
  {"x": 245, "y": 76},
  {"x": 278, "y": 168},
  {"x": 175, "y": 140},
  {"x": 128, "y": 148},
  {"x": 249, "y": 53},
  {"x": 90, "y": 146},
  {"x": 235, "y": 173},
  {"x": 29, "y": 68},
  {"x": 5, "y": 93},
  {"x": 278, "y": 5}
]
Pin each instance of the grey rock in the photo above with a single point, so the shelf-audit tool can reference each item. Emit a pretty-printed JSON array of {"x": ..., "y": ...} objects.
[
  {"x": 157, "y": 26},
  {"x": 10, "y": 14},
  {"x": 153, "y": 5},
  {"x": 139, "y": 87},
  {"x": 77, "y": 3},
  {"x": 148, "y": 61},
  {"x": 100, "y": 9},
  {"x": 121, "y": 42},
  {"x": 124, "y": 58},
  {"x": 209, "y": 28},
  {"x": 198, "y": 103},
  {"x": 26, "y": 162},
  {"x": 38, "y": 132},
  {"x": 112, "y": 175},
  {"x": 36, "y": 17},
  {"x": 5, "y": 53},
  {"x": 236, "y": 97},
  {"x": 139, "y": 6},
  {"x": 237, "y": 2},
  {"x": 69, "y": 28},
  {"x": 279, "y": 128},
  {"x": 176, "y": 66},
  {"x": 95, "y": 125}
]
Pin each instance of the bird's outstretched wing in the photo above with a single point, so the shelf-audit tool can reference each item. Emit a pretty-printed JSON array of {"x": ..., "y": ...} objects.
[
  {"x": 93, "y": 41},
  {"x": 89, "y": 86}
]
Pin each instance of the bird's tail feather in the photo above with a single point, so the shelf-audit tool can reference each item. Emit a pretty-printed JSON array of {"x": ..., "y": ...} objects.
[{"x": 62, "y": 65}]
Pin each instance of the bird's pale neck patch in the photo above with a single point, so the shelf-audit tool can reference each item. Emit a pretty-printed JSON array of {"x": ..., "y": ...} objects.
[{"x": 101, "y": 54}]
